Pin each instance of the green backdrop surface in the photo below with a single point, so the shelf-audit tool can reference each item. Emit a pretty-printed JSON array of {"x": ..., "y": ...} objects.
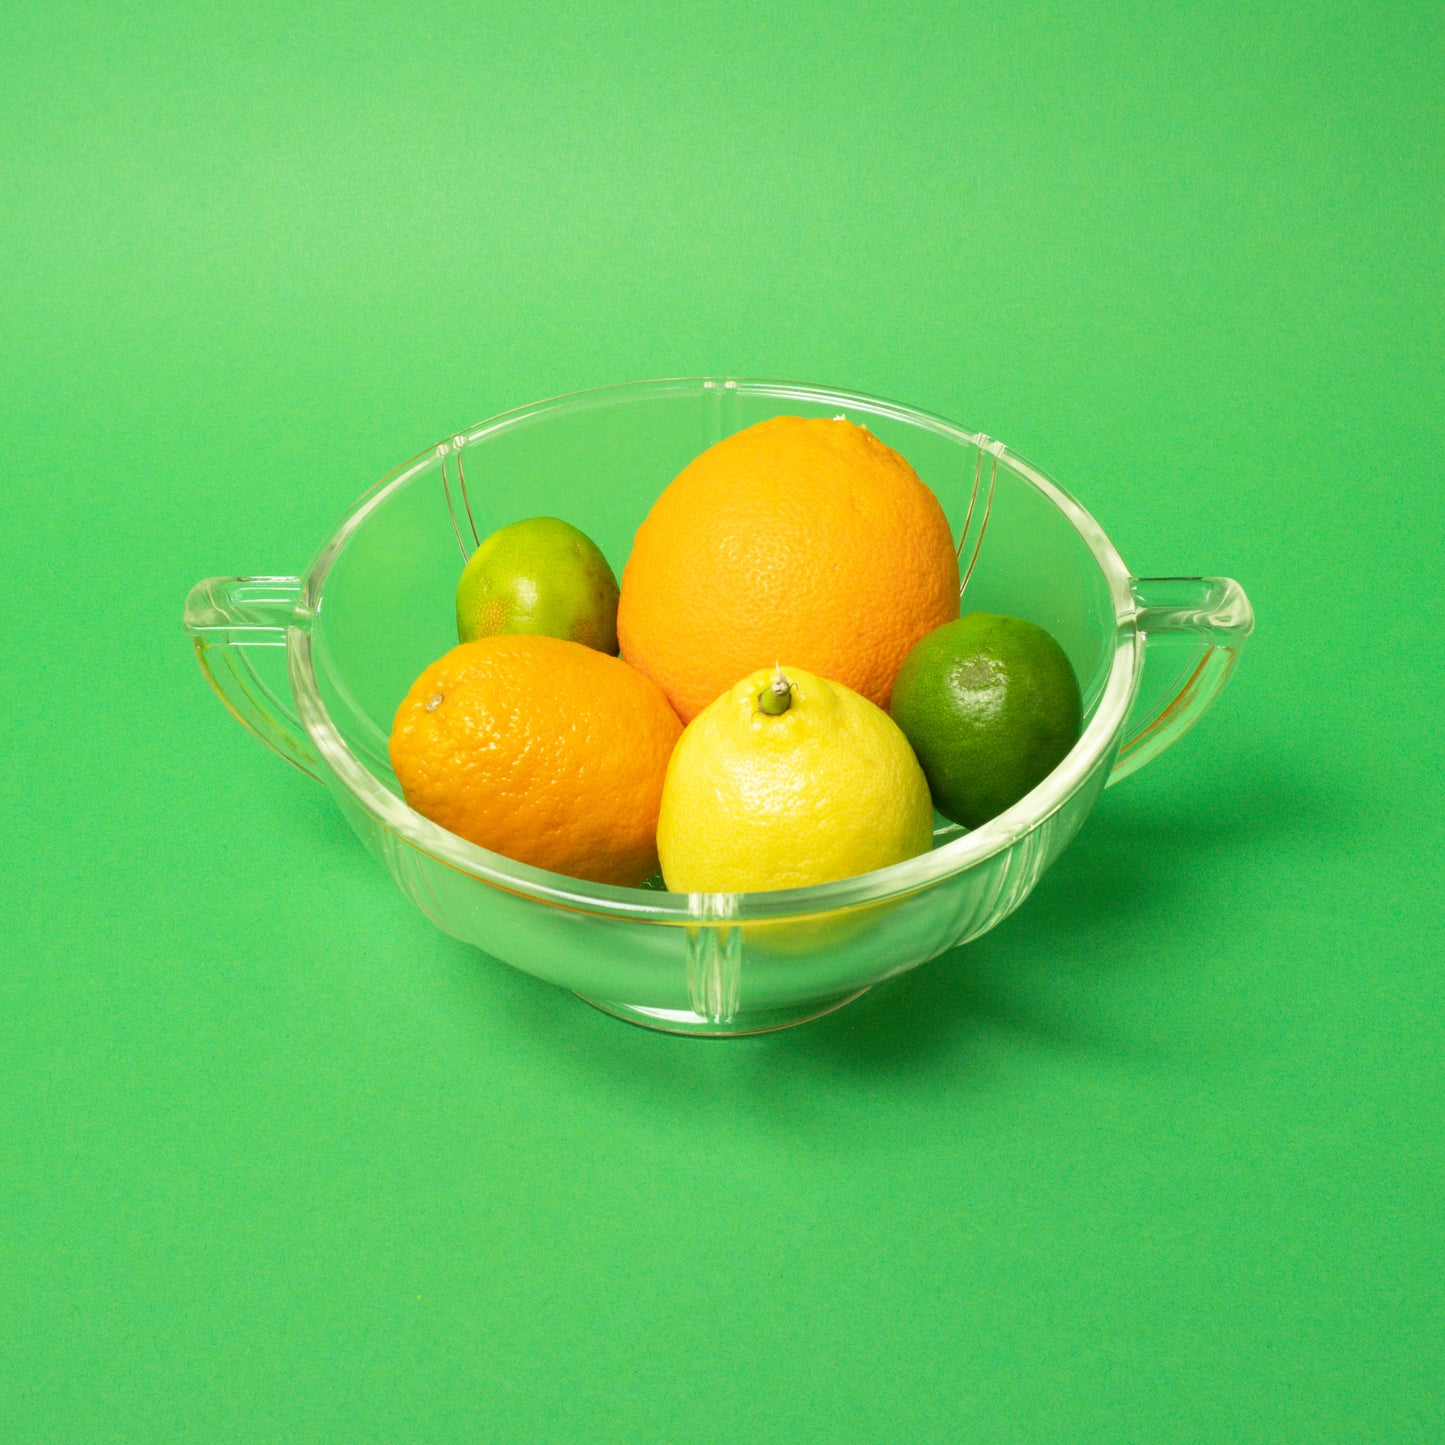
[{"x": 1158, "y": 1160}]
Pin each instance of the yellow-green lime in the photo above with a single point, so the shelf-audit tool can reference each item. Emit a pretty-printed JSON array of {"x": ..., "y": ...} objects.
[
  {"x": 788, "y": 780},
  {"x": 542, "y": 577},
  {"x": 991, "y": 706}
]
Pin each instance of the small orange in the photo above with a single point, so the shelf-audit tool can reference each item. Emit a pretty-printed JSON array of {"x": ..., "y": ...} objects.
[
  {"x": 547, "y": 751},
  {"x": 801, "y": 539}
]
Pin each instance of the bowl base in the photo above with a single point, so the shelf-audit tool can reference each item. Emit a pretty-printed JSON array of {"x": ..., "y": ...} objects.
[{"x": 684, "y": 1021}]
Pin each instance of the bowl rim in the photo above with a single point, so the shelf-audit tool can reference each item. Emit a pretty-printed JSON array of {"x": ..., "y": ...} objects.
[{"x": 644, "y": 905}]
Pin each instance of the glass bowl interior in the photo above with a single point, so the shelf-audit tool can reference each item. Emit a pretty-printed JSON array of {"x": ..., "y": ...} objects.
[{"x": 378, "y": 600}]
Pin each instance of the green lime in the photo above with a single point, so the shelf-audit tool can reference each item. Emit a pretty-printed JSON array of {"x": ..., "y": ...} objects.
[
  {"x": 991, "y": 707},
  {"x": 542, "y": 577}
]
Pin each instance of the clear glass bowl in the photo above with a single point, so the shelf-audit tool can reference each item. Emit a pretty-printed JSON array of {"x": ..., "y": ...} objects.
[{"x": 377, "y": 605}]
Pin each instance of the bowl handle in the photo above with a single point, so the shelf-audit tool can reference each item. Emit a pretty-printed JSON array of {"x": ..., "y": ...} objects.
[
  {"x": 1192, "y": 629},
  {"x": 238, "y": 625}
]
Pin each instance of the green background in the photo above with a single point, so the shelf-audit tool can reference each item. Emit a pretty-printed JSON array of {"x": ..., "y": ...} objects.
[{"x": 1158, "y": 1160}]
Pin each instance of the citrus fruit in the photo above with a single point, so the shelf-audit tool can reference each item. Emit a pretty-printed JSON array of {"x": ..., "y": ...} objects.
[
  {"x": 991, "y": 706},
  {"x": 805, "y": 539},
  {"x": 779, "y": 784},
  {"x": 546, "y": 751},
  {"x": 541, "y": 577}
]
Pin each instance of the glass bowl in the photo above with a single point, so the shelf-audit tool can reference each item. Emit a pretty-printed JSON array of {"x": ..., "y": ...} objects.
[{"x": 376, "y": 606}]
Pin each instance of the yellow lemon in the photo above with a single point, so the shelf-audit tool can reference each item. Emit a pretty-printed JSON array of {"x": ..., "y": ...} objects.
[{"x": 788, "y": 780}]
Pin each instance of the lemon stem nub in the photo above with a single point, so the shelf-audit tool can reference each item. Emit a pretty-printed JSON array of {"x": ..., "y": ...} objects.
[{"x": 777, "y": 697}]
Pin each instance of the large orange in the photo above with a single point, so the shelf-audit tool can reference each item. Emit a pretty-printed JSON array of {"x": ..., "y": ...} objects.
[
  {"x": 808, "y": 540},
  {"x": 547, "y": 751}
]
